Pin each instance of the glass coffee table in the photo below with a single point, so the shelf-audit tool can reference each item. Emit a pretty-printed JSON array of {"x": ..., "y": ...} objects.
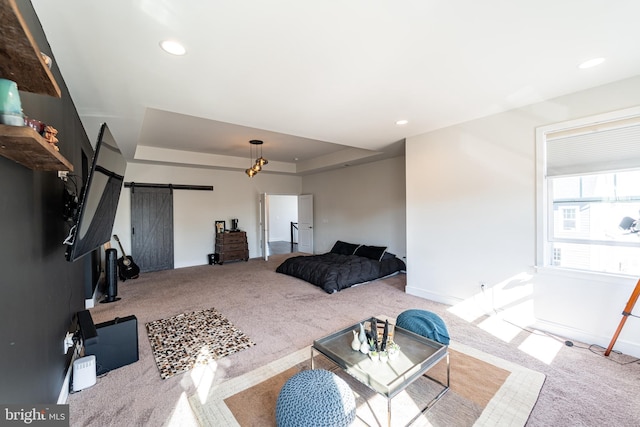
[{"x": 417, "y": 355}]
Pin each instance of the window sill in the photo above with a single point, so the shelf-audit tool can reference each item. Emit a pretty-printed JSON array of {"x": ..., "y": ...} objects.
[{"x": 610, "y": 278}]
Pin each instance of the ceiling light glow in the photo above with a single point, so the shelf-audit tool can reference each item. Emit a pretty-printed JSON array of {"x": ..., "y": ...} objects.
[
  {"x": 402, "y": 122},
  {"x": 173, "y": 47},
  {"x": 591, "y": 63}
]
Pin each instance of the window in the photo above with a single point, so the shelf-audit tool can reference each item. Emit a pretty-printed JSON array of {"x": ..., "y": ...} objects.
[
  {"x": 569, "y": 218},
  {"x": 589, "y": 181}
]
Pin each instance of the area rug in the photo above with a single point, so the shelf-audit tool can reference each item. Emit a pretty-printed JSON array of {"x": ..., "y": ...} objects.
[
  {"x": 181, "y": 342},
  {"x": 485, "y": 391}
]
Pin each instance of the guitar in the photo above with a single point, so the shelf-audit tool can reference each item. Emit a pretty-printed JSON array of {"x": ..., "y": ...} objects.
[{"x": 127, "y": 269}]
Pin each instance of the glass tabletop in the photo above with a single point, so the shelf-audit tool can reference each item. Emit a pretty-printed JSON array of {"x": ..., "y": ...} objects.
[{"x": 417, "y": 355}]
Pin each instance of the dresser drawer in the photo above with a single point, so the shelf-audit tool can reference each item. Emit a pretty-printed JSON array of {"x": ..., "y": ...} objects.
[
  {"x": 233, "y": 237},
  {"x": 227, "y": 247},
  {"x": 233, "y": 256}
]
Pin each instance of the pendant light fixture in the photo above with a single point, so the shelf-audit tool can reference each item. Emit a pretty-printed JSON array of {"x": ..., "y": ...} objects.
[{"x": 260, "y": 161}]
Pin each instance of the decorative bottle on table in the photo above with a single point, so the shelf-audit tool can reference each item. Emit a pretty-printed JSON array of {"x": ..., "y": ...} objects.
[{"x": 355, "y": 343}]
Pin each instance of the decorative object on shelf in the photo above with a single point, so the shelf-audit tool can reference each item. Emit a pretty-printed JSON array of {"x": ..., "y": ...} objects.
[
  {"x": 10, "y": 106},
  {"x": 373, "y": 349},
  {"x": 234, "y": 224},
  {"x": 378, "y": 339},
  {"x": 393, "y": 349},
  {"x": 355, "y": 343},
  {"x": 362, "y": 336},
  {"x": 260, "y": 161},
  {"x": 49, "y": 135},
  {"x": 220, "y": 226},
  {"x": 34, "y": 124},
  {"x": 385, "y": 335},
  {"x": 374, "y": 334},
  {"x": 47, "y": 59}
]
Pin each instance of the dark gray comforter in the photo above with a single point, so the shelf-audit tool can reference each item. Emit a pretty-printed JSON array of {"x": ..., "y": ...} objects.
[{"x": 333, "y": 272}]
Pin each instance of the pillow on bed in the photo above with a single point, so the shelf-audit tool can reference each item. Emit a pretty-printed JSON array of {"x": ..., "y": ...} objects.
[
  {"x": 388, "y": 255},
  {"x": 344, "y": 248},
  {"x": 371, "y": 252}
]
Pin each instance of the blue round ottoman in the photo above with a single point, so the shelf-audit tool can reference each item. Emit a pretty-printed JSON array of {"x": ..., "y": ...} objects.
[
  {"x": 317, "y": 398},
  {"x": 424, "y": 323}
]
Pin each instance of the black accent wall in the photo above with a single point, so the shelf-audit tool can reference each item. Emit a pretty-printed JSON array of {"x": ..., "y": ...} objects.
[{"x": 39, "y": 290}]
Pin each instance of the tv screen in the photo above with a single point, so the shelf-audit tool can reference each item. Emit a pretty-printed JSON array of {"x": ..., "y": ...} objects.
[{"x": 99, "y": 198}]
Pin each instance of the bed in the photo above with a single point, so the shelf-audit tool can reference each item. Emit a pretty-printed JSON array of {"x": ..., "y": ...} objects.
[{"x": 346, "y": 265}]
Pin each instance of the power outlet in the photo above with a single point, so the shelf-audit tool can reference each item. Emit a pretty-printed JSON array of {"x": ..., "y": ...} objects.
[{"x": 68, "y": 342}]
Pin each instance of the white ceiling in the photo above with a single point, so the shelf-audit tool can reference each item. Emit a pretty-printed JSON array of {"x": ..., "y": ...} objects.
[{"x": 323, "y": 82}]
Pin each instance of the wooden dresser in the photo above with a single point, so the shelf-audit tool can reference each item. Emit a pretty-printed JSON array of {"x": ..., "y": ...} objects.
[{"x": 232, "y": 246}]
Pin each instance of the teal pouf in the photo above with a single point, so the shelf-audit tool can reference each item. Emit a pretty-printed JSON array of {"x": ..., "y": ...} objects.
[
  {"x": 424, "y": 323},
  {"x": 316, "y": 398}
]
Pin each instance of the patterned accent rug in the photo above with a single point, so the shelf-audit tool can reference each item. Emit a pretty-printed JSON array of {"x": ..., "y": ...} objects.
[
  {"x": 485, "y": 391},
  {"x": 181, "y": 342}
]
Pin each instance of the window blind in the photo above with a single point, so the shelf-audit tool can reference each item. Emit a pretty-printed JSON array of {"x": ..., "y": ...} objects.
[{"x": 597, "y": 148}]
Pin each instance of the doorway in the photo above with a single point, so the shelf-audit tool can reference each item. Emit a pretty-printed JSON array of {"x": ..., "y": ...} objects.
[{"x": 282, "y": 218}]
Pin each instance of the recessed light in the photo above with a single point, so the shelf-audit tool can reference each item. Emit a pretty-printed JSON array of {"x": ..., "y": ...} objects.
[
  {"x": 591, "y": 63},
  {"x": 402, "y": 122},
  {"x": 173, "y": 47}
]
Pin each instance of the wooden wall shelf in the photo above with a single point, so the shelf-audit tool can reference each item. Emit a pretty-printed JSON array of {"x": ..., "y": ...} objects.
[
  {"x": 24, "y": 145},
  {"x": 20, "y": 58}
]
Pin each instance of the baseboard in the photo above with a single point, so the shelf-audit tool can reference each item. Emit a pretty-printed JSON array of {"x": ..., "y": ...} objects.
[
  {"x": 444, "y": 299},
  {"x": 95, "y": 298},
  {"x": 621, "y": 345},
  {"x": 66, "y": 384}
]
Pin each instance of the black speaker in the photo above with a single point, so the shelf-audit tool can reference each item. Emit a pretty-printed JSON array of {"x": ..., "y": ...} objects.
[
  {"x": 116, "y": 344},
  {"x": 111, "y": 276}
]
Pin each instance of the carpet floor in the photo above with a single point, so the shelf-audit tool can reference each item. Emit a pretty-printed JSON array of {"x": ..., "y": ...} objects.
[{"x": 282, "y": 315}]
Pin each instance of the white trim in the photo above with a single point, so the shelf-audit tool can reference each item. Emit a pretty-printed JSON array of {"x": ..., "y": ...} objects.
[
  {"x": 611, "y": 116},
  {"x": 441, "y": 298},
  {"x": 621, "y": 345},
  {"x": 543, "y": 258},
  {"x": 584, "y": 275},
  {"x": 66, "y": 384},
  {"x": 97, "y": 294}
]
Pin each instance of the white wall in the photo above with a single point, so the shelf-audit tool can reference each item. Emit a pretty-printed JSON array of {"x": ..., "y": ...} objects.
[
  {"x": 283, "y": 210},
  {"x": 471, "y": 218},
  {"x": 235, "y": 196},
  {"x": 360, "y": 204}
]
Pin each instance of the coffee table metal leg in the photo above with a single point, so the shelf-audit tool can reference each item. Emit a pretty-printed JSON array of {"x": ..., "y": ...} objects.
[
  {"x": 388, "y": 412},
  {"x": 312, "y": 367},
  {"x": 435, "y": 399}
]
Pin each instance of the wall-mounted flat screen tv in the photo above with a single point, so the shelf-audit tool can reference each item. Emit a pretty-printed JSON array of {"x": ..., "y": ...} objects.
[{"x": 99, "y": 198}]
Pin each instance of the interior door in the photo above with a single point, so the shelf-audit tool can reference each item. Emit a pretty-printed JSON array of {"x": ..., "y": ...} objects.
[
  {"x": 152, "y": 228},
  {"x": 264, "y": 225},
  {"x": 305, "y": 223}
]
